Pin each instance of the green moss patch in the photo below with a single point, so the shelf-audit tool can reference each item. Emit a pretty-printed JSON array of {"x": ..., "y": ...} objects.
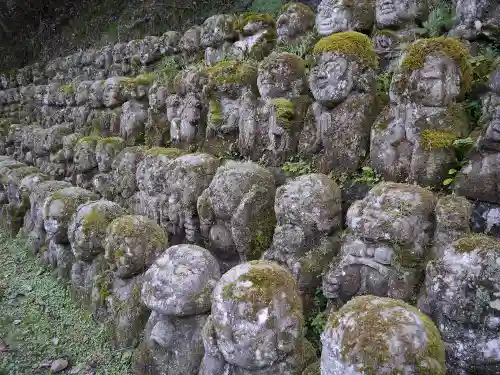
[
  {"x": 165, "y": 151},
  {"x": 435, "y": 139},
  {"x": 245, "y": 18},
  {"x": 296, "y": 63},
  {"x": 90, "y": 139},
  {"x": 476, "y": 241},
  {"x": 350, "y": 43},
  {"x": 418, "y": 51},
  {"x": 300, "y": 8},
  {"x": 233, "y": 72},
  {"x": 67, "y": 89}
]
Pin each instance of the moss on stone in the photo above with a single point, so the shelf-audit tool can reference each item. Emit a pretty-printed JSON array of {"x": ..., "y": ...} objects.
[
  {"x": 67, "y": 89},
  {"x": 111, "y": 140},
  {"x": 262, "y": 229},
  {"x": 368, "y": 342},
  {"x": 418, "y": 51},
  {"x": 267, "y": 281},
  {"x": 95, "y": 222},
  {"x": 350, "y": 43},
  {"x": 233, "y": 72},
  {"x": 295, "y": 62},
  {"x": 436, "y": 139},
  {"x": 215, "y": 115},
  {"x": 90, "y": 139},
  {"x": 472, "y": 242},
  {"x": 146, "y": 228},
  {"x": 165, "y": 151},
  {"x": 144, "y": 79},
  {"x": 303, "y": 9},
  {"x": 284, "y": 109},
  {"x": 245, "y": 18}
]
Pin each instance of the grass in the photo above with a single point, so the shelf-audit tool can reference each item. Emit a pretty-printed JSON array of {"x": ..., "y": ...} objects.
[
  {"x": 272, "y": 7},
  {"x": 51, "y": 326}
]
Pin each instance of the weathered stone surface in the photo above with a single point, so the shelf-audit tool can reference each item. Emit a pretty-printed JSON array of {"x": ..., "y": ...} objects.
[
  {"x": 58, "y": 208},
  {"x": 217, "y": 35},
  {"x": 236, "y": 212},
  {"x": 342, "y": 82},
  {"x": 335, "y": 16},
  {"x": 308, "y": 211},
  {"x": 88, "y": 228},
  {"x": 374, "y": 335},
  {"x": 461, "y": 295},
  {"x": 486, "y": 218},
  {"x": 106, "y": 150},
  {"x": 132, "y": 122},
  {"x": 178, "y": 288},
  {"x": 295, "y": 21},
  {"x": 385, "y": 248},
  {"x": 472, "y": 19},
  {"x": 257, "y": 324},
  {"x": 132, "y": 244},
  {"x": 412, "y": 138},
  {"x": 257, "y": 37}
]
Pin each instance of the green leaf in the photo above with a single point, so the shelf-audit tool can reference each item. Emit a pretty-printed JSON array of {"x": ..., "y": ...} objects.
[
  {"x": 452, "y": 171},
  {"x": 448, "y": 181}
]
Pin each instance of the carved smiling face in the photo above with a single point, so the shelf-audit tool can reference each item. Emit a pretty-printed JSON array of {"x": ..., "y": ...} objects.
[
  {"x": 332, "y": 79},
  {"x": 397, "y": 12}
]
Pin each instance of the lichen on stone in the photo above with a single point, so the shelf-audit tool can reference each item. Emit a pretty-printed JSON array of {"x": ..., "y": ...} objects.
[
  {"x": 233, "y": 72},
  {"x": 126, "y": 226},
  {"x": 435, "y": 139},
  {"x": 165, "y": 151},
  {"x": 295, "y": 62},
  {"x": 350, "y": 43},
  {"x": 471, "y": 242},
  {"x": 90, "y": 139},
  {"x": 418, "y": 51},
  {"x": 67, "y": 89},
  {"x": 111, "y": 140},
  {"x": 284, "y": 109},
  {"x": 368, "y": 339},
  {"x": 304, "y": 9},
  {"x": 94, "y": 221},
  {"x": 245, "y": 18}
]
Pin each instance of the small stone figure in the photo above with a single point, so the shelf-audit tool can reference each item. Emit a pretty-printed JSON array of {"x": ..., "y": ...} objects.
[
  {"x": 384, "y": 251},
  {"x": 217, "y": 36},
  {"x": 412, "y": 137},
  {"x": 473, "y": 19},
  {"x": 308, "y": 211},
  {"x": 375, "y": 335},
  {"x": 337, "y": 125},
  {"x": 256, "y": 325},
  {"x": 178, "y": 289},
  {"x": 236, "y": 212},
  {"x": 334, "y": 16},
  {"x": 461, "y": 294},
  {"x": 295, "y": 22}
]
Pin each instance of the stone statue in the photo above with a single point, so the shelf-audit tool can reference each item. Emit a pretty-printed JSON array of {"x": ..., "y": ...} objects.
[
  {"x": 133, "y": 122},
  {"x": 269, "y": 128},
  {"x": 308, "y": 214},
  {"x": 230, "y": 82},
  {"x": 256, "y": 325},
  {"x": 236, "y": 212},
  {"x": 386, "y": 245},
  {"x": 412, "y": 137},
  {"x": 112, "y": 95},
  {"x": 473, "y": 18},
  {"x": 295, "y": 22},
  {"x": 157, "y": 129},
  {"x": 337, "y": 125},
  {"x": 461, "y": 295},
  {"x": 480, "y": 178},
  {"x": 375, "y": 335},
  {"x": 334, "y": 16},
  {"x": 217, "y": 36},
  {"x": 178, "y": 289},
  {"x": 190, "y": 44},
  {"x": 257, "y": 37}
]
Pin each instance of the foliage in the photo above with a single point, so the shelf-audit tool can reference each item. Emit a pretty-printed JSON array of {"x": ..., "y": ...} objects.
[
  {"x": 302, "y": 48},
  {"x": 317, "y": 321},
  {"x": 46, "y": 312},
  {"x": 473, "y": 108},
  {"x": 383, "y": 82},
  {"x": 272, "y": 7},
  {"x": 482, "y": 65},
  {"x": 295, "y": 167},
  {"x": 462, "y": 147},
  {"x": 439, "y": 20},
  {"x": 166, "y": 71},
  {"x": 368, "y": 176}
]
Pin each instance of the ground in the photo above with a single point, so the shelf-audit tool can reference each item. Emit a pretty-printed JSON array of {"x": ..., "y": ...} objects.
[{"x": 40, "y": 323}]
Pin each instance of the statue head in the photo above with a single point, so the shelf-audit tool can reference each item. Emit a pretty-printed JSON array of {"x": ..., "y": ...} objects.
[
  {"x": 392, "y": 13},
  {"x": 433, "y": 72},
  {"x": 218, "y": 29},
  {"x": 95, "y": 95},
  {"x": 181, "y": 281},
  {"x": 257, "y": 314},
  {"x": 334, "y": 16},
  {"x": 281, "y": 75},
  {"x": 345, "y": 62},
  {"x": 157, "y": 96},
  {"x": 295, "y": 20}
]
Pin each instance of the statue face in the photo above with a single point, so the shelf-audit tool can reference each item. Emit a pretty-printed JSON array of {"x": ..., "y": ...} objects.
[
  {"x": 333, "y": 16},
  {"x": 278, "y": 80},
  {"x": 292, "y": 23},
  {"x": 395, "y": 12},
  {"x": 190, "y": 118},
  {"x": 332, "y": 79},
  {"x": 111, "y": 92},
  {"x": 174, "y": 107},
  {"x": 216, "y": 29},
  {"x": 157, "y": 97},
  {"x": 176, "y": 280},
  {"x": 437, "y": 83},
  {"x": 254, "y": 332}
]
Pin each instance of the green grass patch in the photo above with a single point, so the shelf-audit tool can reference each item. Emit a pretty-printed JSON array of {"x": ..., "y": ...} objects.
[{"x": 49, "y": 325}]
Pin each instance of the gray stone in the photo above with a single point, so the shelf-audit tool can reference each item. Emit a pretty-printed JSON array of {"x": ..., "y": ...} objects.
[{"x": 333, "y": 16}]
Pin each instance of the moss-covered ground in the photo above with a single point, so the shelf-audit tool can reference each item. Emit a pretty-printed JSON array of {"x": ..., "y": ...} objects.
[{"x": 39, "y": 322}]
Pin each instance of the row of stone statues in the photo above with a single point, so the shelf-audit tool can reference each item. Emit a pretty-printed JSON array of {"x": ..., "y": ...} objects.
[
  {"x": 267, "y": 108},
  {"x": 223, "y": 37},
  {"x": 250, "y": 320}
]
